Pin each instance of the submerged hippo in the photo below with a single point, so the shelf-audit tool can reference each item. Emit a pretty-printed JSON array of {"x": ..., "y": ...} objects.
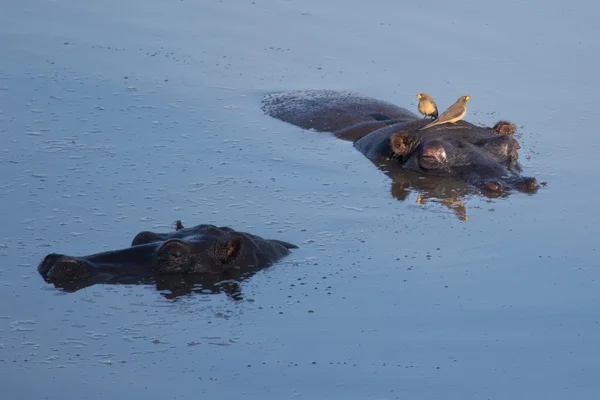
[
  {"x": 481, "y": 157},
  {"x": 207, "y": 253}
]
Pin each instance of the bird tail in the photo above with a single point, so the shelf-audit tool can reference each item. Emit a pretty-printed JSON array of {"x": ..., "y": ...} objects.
[{"x": 429, "y": 125}]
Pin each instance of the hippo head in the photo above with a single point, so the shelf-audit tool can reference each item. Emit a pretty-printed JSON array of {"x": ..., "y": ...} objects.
[
  {"x": 203, "y": 250},
  {"x": 216, "y": 250},
  {"x": 484, "y": 157}
]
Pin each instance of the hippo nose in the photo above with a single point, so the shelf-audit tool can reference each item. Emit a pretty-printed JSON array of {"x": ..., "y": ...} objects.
[
  {"x": 493, "y": 186},
  {"x": 47, "y": 263},
  {"x": 531, "y": 184},
  {"x": 527, "y": 184},
  {"x": 67, "y": 269}
]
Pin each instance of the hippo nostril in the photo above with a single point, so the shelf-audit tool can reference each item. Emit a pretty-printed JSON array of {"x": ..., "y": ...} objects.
[
  {"x": 68, "y": 269},
  {"x": 493, "y": 186},
  {"x": 530, "y": 184}
]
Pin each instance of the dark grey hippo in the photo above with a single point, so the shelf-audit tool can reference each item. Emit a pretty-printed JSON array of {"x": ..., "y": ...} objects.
[
  {"x": 184, "y": 258},
  {"x": 444, "y": 162}
]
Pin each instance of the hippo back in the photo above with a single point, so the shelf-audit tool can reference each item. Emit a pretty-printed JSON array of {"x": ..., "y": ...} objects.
[{"x": 328, "y": 110}]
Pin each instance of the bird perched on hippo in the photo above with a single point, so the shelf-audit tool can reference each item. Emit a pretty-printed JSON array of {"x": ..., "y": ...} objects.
[
  {"x": 454, "y": 113},
  {"x": 427, "y": 105},
  {"x": 481, "y": 157}
]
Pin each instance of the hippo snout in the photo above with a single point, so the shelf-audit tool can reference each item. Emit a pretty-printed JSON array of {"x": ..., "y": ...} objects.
[
  {"x": 47, "y": 263},
  {"x": 528, "y": 184},
  {"x": 57, "y": 267},
  {"x": 523, "y": 184},
  {"x": 173, "y": 257}
]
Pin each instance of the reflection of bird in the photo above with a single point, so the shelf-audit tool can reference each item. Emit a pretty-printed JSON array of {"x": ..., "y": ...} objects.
[
  {"x": 454, "y": 113},
  {"x": 427, "y": 105}
]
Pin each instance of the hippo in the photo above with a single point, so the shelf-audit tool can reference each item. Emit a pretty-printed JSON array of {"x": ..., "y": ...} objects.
[
  {"x": 203, "y": 255},
  {"x": 447, "y": 160}
]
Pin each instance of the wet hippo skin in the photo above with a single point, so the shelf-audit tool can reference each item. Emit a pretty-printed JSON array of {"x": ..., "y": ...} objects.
[{"x": 207, "y": 253}]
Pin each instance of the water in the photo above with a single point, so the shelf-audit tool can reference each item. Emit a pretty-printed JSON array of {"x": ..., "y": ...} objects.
[{"x": 121, "y": 117}]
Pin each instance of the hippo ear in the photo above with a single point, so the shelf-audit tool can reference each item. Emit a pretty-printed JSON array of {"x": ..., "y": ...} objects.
[
  {"x": 505, "y": 128},
  {"x": 232, "y": 250},
  {"x": 400, "y": 144},
  {"x": 178, "y": 225}
]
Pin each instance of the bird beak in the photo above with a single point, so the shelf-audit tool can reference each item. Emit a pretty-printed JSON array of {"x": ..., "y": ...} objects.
[
  {"x": 418, "y": 95},
  {"x": 467, "y": 97}
]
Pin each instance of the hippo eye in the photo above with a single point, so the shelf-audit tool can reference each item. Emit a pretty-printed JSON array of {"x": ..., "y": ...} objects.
[
  {"x": 431, "y": 159},
  {"x": 434, "y": 154}
]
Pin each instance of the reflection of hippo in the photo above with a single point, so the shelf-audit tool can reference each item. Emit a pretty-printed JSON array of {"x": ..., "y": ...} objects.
[
  {"x": 207, "y": 253},
  {"x": 389, "y": 136}
]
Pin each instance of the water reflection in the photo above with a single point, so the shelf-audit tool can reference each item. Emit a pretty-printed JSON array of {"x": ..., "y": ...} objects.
[
  {"x": 173, "y": 286},
  {"x": 448, "y": 192}
]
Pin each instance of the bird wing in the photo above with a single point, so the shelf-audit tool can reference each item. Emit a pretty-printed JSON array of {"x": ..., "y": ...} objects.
[
  {"x": 434, "y": 123},
  {"x": 452, "y": 111}
]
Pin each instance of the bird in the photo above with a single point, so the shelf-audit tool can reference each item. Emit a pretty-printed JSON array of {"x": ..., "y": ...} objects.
[
  {"x": 427, "y": 105},
  {"x": 453, "y": 114}
]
